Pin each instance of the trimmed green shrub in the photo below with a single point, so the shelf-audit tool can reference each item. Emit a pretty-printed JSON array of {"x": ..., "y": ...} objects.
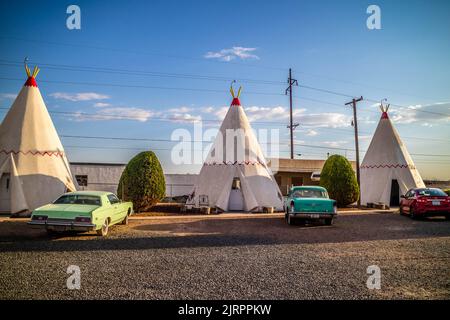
[
  {"x": 339, "y": 179},
  {"x": 142, "y": 182}
]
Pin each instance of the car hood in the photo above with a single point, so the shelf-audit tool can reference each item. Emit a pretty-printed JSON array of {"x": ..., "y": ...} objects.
[{"x": 65, "y": 210}]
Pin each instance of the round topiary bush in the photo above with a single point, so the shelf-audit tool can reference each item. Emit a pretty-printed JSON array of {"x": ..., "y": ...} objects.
[
  {"x": 339, "y": 179},
  {"x": 142, "y": 182}
]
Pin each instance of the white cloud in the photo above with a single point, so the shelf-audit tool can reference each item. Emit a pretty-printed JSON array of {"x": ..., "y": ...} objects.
[
  {"x": 10, "y": 96},
  {"x": 82, "y": 96},
  {"x": 184, "y": 118},
  {"x": 180, "y": 110},
  {"x": 279, "y": 113},
  {"x": 335, "y": 144},
  {"x": 327, "y": 119},
  {"x": 101, "y": 105},
  {"x": 312, "y": 133},
  {"x": 221, "y": 112},
  {"x": 425, "y": 114},
  {"x": 117, "y": 113},
  {"x": 208, "y": 109},
  {"x": 256, "y": 113},
  {"x": 365, "y": 137},
  {"x": 232, "y": 53}
]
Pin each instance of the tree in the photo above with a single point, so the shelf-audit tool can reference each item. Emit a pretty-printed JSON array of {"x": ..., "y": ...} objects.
[
  {"x": 142, "y": 181},
  {"x": 339, "y": 179}
]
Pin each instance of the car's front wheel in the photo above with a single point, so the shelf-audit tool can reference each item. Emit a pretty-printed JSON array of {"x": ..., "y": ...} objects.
[
  {"x": 328, "y": 221},
  {"x": 103, "y": 231}
]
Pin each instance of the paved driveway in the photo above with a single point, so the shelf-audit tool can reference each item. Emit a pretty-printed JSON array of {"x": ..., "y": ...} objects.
[{"x": 232, "y": 257}]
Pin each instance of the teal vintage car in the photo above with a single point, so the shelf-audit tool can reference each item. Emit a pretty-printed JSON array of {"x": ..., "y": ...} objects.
[
  {"x": 82, "y": 211},
  {"x": 309, "y": 203}
]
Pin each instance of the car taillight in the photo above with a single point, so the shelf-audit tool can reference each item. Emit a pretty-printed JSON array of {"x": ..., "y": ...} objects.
[
  {"x": 39, "y": 218},
  {"x": 83, "y": 219},
  {"x": 421, "y": 200}
]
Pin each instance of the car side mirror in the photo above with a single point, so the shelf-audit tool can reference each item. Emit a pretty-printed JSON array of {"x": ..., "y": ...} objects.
[{"x": 403, "y": 196}]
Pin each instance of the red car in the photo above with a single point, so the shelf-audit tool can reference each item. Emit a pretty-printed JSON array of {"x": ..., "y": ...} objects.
[{"x": 425, "y": 202}]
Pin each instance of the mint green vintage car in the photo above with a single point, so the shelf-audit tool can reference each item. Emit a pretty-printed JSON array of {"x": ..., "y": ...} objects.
[
  {"x": 309, "y": 203},
  {"x": 82, "y": 211}
]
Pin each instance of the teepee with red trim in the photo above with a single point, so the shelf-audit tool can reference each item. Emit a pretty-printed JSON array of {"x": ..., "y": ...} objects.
[
  {"x": 387, "y": 170},
  {"x": 33, "y": 166},
  {"x": 235, "y": 175}
]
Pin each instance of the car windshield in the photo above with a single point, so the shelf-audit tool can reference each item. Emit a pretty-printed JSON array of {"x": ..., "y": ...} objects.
[
  {"x": 309, "y": 193},
  {"x": 79, "y": 199},
  {"x": 431, "y": 193}
]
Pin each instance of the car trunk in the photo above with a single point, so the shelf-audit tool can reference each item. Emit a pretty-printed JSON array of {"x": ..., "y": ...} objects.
[
  {"x": 433, "y": 202},
  {"x": 314, "y": 205},
  {"x": 66, "y": 211}
]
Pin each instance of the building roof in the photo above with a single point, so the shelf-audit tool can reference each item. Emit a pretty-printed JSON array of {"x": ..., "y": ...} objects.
[
  {"x": 298, "y": 165},
  {"x": 98, "y": 164}
]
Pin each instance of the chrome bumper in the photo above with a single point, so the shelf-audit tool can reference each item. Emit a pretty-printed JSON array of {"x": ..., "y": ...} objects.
[
  {"x": 313, "y": 215},
  {"x": 61, "y": 226}
]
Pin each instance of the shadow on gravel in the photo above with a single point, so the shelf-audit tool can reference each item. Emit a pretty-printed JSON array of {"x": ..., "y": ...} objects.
[{"x": 236, "y": 232}]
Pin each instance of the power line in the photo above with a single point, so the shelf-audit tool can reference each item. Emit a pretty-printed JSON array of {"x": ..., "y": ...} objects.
[
  {"x": 139, "y": 72},
  {"x": 96, "y": 116},
  {"x": 190, "y": 76},
  {"x": 201, "y": 150},
  {"x": 209, "y": 141},
  {"x": 109, "y": 49},
  {"x": 208, "y": 90},
  {"x": 115, "y": 49}
]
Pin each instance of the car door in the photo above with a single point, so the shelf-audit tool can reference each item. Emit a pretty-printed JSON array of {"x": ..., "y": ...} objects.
[
  {"x": 117, "y": 207},
  {"x": 114, "y": 207},
  {"x": 409, "y": 200}
]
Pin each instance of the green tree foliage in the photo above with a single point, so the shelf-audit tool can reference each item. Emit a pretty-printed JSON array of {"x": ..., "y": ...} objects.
[
  {"x": 339, "y": 179},
  {"x": 142, "y": 182}
]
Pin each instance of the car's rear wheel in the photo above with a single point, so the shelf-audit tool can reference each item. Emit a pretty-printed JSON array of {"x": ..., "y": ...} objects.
[
  {"x": 103, "y": 231},
  {"x": 289, "y": 220},
  {"x": 447, "y": 217},
  {"x": 328, "y": 221},
  {"x": 51, "y": 233}
]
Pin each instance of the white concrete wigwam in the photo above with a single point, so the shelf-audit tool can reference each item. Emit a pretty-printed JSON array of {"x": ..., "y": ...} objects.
[
  {"x": 33, "y": 166},
  {"x": 235, "y": 175},
  {"x": 387, "y": 171}
]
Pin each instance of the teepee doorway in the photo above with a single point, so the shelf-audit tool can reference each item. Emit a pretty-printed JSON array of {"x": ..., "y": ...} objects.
[
  {"x": 236, "y": 201},
  {"x": 5, "y": 194},
  {"x": 395, "y": 194}
]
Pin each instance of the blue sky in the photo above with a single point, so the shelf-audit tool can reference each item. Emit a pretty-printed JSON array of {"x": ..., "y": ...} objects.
[{"x": 171, "y": 62}]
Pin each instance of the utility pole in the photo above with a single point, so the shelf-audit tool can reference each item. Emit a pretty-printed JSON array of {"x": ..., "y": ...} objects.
[
  {"x": 355, "y": 125},
  {"x": 291, "y": 125}
]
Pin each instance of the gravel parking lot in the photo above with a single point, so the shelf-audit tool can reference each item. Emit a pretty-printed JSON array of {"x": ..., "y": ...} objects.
[{"x": 232, "y": 257}]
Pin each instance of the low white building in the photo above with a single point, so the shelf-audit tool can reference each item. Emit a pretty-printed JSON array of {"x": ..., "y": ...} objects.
[{"x": 106, "y": 176}]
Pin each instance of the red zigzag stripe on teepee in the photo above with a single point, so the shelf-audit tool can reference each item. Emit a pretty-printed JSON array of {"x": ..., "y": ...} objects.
[
  {"x": 388, "y": 166},
  {"x": 35, "y": 153},
  {"x": 233, "y": 163}
]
